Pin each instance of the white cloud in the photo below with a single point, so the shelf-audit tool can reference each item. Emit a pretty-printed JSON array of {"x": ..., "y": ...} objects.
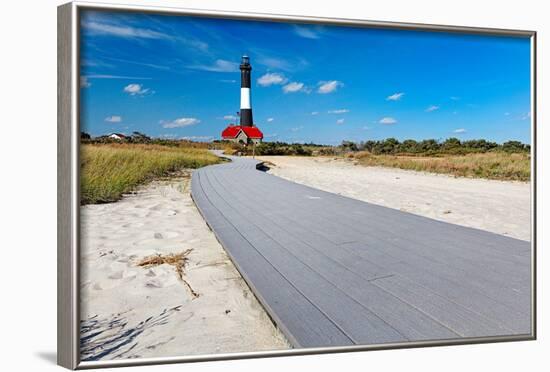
[
  {"x": 275, "y": 63},
  {"x": 308, "y": 32},
  {"x": 387, "y": 120},
  {"x": 197, "y": 138},
  {"x": 295, "y": 87},
  {"x": 395, "y": 96},
  {"x": 132, "y": 62},
  {"x": 315, "y": 113},
  {"x": 432, "y": 108},
  {"x": 187, "y": 138},
  {"x": 506, "y": 114},
  {"x": 180, "y": 123},
  {"x": 130, "y": 32},
  {"x": 459, "y": 130},
  {"x": 123, "y": 31},
  {"x": 339, "y": 111},
  {"x": 220, "y": 65},
  {"x": 114, "y": 119},
  {"x": 271, "y": 78},
  {"x": 95, "y": 63},
  {"x": 366, "y": 127},
  {"x": 84, "y": 83},
  {"x": 135, "y": 89},
  {"x": 269, "y": 120},
  {"x": 230, "y": 117},
  {"x": 271, "y": 135},
  {"x": 296, "y": 129},
  {"x": 194, "y": 43},
  {"x": 340, "y": 121},
  {"x": 526, "y": 116},
  {"x": 103, "y": 76},
  {"x": 231, "y": 81},
  {"x": 328, "y": 86},
  {"x": 455, "y": 98}
]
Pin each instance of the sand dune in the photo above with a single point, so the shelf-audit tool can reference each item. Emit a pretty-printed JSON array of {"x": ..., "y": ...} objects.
[
  {"x": 131, "y": 312},
  {"x": 497, "y": 206}
]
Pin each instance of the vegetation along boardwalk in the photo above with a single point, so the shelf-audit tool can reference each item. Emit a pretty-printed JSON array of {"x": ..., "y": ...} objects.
[{"x": 334, "y": 271}]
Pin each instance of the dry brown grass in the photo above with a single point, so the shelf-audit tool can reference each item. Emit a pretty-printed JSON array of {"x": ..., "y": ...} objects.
[
  {"x": 110, "y": 170},
  {"x": 178, "y": 260},
  {"x": 230, "y": 151},
  {"x": 490, "y": 165}
]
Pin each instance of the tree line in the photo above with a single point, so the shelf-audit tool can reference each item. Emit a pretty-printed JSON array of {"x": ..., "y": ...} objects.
[
  {"x": 432, "y": 147},
  {"x": 392, "y": 146},
  {"x": 141, "y": 138}
]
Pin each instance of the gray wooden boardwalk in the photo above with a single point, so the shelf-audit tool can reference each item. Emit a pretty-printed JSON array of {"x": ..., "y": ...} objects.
[{"x": 334, "y": 271}]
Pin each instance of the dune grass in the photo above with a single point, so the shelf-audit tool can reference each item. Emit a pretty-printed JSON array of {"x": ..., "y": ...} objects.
[
  {"x": 491, "y": 165},
  {"x": 110, "y": 170}
]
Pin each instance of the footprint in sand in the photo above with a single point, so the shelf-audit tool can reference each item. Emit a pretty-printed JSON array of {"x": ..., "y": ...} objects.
[
  {"x": 86, "y": 284},
  {"x": 123, "y": 274},
  {"x": 133, "y": 224},
  {"x": 166, "y": 235},
  {"x": 123, "y": 259},
  {"x": 116, "y": 275},
  {"x": 161, "y": 277},
  {"x": 154, "y": 283}
]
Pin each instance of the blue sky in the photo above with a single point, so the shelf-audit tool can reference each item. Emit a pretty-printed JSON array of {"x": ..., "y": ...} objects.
[{"x": 178, "y": 77}]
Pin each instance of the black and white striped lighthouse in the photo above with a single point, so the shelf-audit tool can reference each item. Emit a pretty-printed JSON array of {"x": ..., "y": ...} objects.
[{"x": 246, "y": 108}]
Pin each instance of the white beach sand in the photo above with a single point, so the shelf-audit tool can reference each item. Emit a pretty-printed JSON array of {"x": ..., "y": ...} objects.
[
  {"x": 132, "y": 312},
  {"x": 496, "y": 206}
]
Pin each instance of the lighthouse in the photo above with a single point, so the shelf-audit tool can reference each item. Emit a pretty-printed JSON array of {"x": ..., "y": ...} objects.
[
  {"x": 246, "y": 108},
  {"x": 245, "y": 132}
]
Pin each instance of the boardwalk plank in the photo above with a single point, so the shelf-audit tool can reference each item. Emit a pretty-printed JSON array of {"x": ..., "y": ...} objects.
[
  {"x": 481, "y": 276},
  {"x": 461, "y": 285},
  {"x": 300, "y": 320},
  {"x": 332, "y": 266},
  {"x": 335, "y": 271},
  {"x": 317, "y": 289}
]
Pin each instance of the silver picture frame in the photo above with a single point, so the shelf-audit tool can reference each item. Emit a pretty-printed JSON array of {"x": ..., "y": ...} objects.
[{"x": 68, "y": 181}]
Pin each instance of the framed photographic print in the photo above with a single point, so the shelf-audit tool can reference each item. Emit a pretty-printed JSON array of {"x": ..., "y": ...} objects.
[{"x": 236, "y": 185}]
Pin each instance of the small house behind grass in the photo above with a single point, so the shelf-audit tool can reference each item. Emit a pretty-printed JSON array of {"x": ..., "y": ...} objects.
[{"x": 118, "y": 136}]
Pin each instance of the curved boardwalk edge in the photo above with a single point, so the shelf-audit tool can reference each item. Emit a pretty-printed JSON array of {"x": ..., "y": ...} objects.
[
  {"x": 228, "y": 236},
  {"x": 334, "y": 271}
]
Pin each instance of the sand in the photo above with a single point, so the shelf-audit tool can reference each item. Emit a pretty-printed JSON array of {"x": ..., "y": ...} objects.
[
  {"x": 129, "y": 311},
  {"x": 501, "y": 207}
]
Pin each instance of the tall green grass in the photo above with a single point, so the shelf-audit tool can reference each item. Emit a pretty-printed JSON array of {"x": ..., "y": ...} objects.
[
  {"x": 110, "y": 170},
  {"x": 497, "y": 165}
]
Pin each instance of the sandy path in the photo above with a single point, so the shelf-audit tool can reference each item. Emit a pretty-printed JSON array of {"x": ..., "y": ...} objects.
[
  {"x": 496, "y": 206},
  {"x": 151, "y": 312}
]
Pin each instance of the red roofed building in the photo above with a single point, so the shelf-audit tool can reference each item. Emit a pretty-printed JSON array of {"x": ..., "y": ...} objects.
[{"x": 243, "y": 135}]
